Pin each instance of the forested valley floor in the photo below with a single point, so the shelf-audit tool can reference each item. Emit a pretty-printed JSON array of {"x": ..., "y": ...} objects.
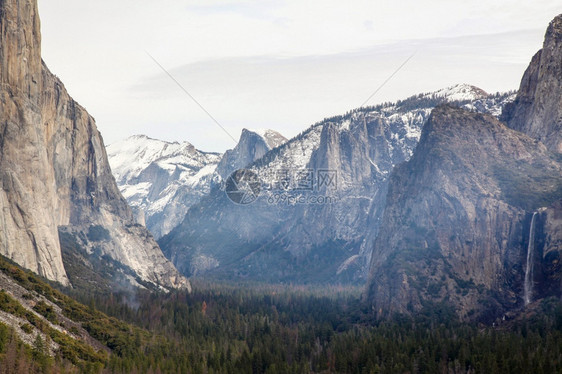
[{"x": 249, "y": 328}]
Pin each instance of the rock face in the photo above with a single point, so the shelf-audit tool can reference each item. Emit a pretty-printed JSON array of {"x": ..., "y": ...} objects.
[
  {"x": 161, "y": 180},
  {"x": 28, "y": 193},
  {"x": 302, "y": 228},
  {"x": 253, "y": 145},
  {"x": 457, "y": 218},
  {"x": 53, "y": 167},
  {"x": 548, "y": 244},
  {"x": 537, "y": 110},
  {"x": 458, "y": 225}
]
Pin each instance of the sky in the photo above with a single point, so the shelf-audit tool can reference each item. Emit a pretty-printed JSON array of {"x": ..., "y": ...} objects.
[{"x": 275, "y": 64}]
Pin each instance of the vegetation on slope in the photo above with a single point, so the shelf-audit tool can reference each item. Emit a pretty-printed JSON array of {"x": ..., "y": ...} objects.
[{"x": 274, "y": 329}]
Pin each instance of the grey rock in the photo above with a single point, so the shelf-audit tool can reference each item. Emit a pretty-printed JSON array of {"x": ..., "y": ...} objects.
[
  {"x": 53, "y": 166},
  {"x": 252, "y": 146},
  {"x": 457, "y": 223},
  {"x": 537, "y": 110},
  {"x": 456, "y": 217}
]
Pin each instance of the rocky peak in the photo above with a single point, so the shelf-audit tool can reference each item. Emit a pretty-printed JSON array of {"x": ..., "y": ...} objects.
[
  {"x": 252, "y": 146},
  {"x": 271, "y": 137},
  {"x": 161, "y": 180},
  {"x": 537, "y": 109}
]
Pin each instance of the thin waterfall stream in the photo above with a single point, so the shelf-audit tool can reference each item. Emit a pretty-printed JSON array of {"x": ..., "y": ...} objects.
[{"x": 528, "y": 285}]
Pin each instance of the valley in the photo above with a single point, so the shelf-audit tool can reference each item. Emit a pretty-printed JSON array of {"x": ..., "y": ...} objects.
[{"x": 422, "y": 235}]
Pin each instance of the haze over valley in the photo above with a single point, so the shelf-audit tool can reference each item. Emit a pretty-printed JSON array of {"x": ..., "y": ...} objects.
[{"x": 352, "y": 200}]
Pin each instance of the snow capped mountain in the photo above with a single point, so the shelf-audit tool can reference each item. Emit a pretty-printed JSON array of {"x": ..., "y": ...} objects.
[
  {"x": 135, "y": 154},
  {"x": 459, "y": 92},
  {"x": 401, "y": 122},
  {"x": 286, "y": 235},
  {"x": 161, "y": 179}
]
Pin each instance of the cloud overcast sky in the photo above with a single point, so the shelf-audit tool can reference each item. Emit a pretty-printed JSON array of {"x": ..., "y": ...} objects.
[{"x": 275, "y": 64}]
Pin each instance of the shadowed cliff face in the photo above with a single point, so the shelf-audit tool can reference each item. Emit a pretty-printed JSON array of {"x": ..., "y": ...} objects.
[
  {"x": 53, "y": 166},
  {"x": 458, "y": 215},
  {"x": 457, "y": 222},
  {"x": 537, "y": 110}
]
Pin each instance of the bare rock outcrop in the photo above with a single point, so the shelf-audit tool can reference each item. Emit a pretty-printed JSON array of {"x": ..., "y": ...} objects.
[
  {"x": 53, "y": 166},
  {"x": 457, "y": 219},
  {"x": 537, "y": 110}
]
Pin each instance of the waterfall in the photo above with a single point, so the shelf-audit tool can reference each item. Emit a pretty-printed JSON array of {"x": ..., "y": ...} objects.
[{"x": 528, "y": 285}]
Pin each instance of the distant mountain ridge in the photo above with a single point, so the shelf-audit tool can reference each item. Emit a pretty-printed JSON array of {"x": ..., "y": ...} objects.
[
  {"x": 275, "y": 240},
  {"x": 162, "y": 180}
]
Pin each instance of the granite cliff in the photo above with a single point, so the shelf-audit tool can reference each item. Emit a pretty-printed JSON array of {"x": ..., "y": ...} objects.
[
  {"x": 473, "y": 220},
  {"x": 537, "y": 109},
  {"x": 54, "y": 170},
  {"x": 457, "y": 219}
]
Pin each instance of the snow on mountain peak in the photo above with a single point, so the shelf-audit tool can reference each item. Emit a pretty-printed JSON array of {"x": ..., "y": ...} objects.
[
  {"x": 161, "y": 178},
  {"x": 461, "y": 92},
  {"x": 253, "y": 145},
  {"x": 129, "y": 157}
]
